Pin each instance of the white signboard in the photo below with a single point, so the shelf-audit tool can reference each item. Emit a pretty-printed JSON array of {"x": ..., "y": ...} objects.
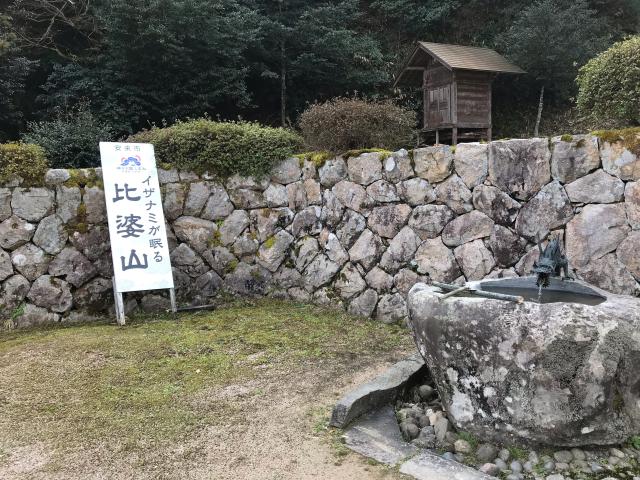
[{"x": 136, "y": 220}]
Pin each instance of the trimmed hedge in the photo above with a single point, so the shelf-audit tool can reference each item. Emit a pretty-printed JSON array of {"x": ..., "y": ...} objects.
[
  {"x": 221, "y": 148},
  {"x": 23, "y": 160},
  {"x": 350, "y": 124}
]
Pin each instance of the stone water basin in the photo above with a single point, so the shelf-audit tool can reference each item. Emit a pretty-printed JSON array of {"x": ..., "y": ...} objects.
[{"x": 560, "y": 370}]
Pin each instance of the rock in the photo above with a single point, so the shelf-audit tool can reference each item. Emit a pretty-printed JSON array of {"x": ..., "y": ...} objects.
[
  {"x": 349, "y": 282},
  {"x": 416, "y": 191},
  {"x": 94, "y": 243},
  {"x": 501, "y": 464},
  {"x": 56, "y": 176},
  {"x": 597, "y": 187},
  {"x": 490, "y": 469},
  {"x": 574, "y": 158},
  {"x": 382, "y": 192},
  {"x": 391, "y": 308},
  {"x": 507, "y": 247},
  {"x": 15, "y": 232},
  {"x": 496, "y": 204},
  {"x": 335, "y": 251},
  {"x": 595, "y": 231},
  {"x": 466, "y": 228},
  {"x": 287, "y": 171},
  {"x": 276, "y": 196},
  {"x": 486, "y": 452},
  {"x": 326, "y": 297},
  {"x": 218, "y": 205},
  {"x": 632, "y": 203},
  {"x": 614, "y": 452},
  {"x": 31, "y": 316},
  {"x": 619, "y": 161},
  {"x": 313, "y": 192},
  {"x": 332, "y": 209},
  {"x": 14, "y": 291},
  {"x": 251, "y": 280},
  {"x": 549, "y": 209},
  {"x": 560, "y": 397},
  {"x": 196, "y": 198},
  {"x": 352, "y": 224},
  {"x": 30, "y": 261},
  {"x": 502, "y": 273},
  {"x": 563, "y": 456},
  {"x": 397, "y": 167},
  {"x": 351, "y": 195},
  {"x": 199, "y": 234},
  {"x": 187, "y": 176},
  {"x": 95, "y": 206},
  {"x": 245, "y": 198},
  {"x": 319, "y": 272},
  {"x": 429, "y": 220},
  {"x": 221, "y": 260},
  {"x": 609, "y": 273},
  {"x": 168, "y": 176},
  {"x": 267, "y": 221},
  {"x": 405, "y": 279},
  {"x": 6, "y": 267},
  {"x": 379, "y": 280},
  {"x": 401, "y": 250},
  {"x": 68, "y": 200},
  {"x": 51, "y": 234},
  {"x": 51, "y": 293},
  {"x": 436, "y": 260},
  {"x": 441, "y": 426},
  {"x": 433, "y": 163},
  {"x": 245, "y": 247},
  {"x": 471, "y": 163},
  {"x": 462, "y": 446},
  {"x": 455, "y": 194},
  {"x": 332, "y": 172},
  {"x": 525, "y": 264},
  {"x": 297, "y": 196},
  {"x": 94, "y": 296},
  {"x": 628, "y": 253},
  {"x": 233, "y": 226},
  {"x": 519, "y": 167},
  {"x": 578, "y": 454},
  {"x": 173, "y": 202},
  {"x": 32, "y": 204},
  {"x": 307, "y": 221},
  {"x": 426, "y": 439},
  {"x": 287, "y": 277},
  {"x": 364, "y": 304},
  {"x": 187, "y": 261},
  {"x": 504, "y": 455},
  {"x": 365, "y": 169},
  {"x": 516, "y": 466},
  {"x": 236, "y": 182},
  {"x": 153, "y": 303},
  {"x": 409, "y": 431},
  {"x": 366, "y": 250},
  {"x": 555, "y": 476},
  {"x": 474, "y": 259},
  {"x": 305, "y": 251},
  {"x": 273, "y": 252},
  {"x": 5, "y": 203},
  {"x": 426, "y": 392},
  {"x": 388, "y": 220}
]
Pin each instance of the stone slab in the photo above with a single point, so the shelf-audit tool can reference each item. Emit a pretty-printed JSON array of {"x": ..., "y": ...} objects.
[{"x": 429, "y": 466}]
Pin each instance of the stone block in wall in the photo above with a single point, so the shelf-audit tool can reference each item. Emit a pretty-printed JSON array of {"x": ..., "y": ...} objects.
[
  {"x": 609, "y": 273},
  {"x": 597, "y": 187},
  {"x": 433, "y": 163},
  {"x": 351, "y": 195},
  {"x": 6, "y": 266},
  {"x": 628, "y": 253},
  {"x": 68, "y": 200},
  {"x": 14, "y": 291},
  {"x": 304, "y": 251},
  {"x": 308, "y": 169},
  {"x": 307, "y": 222},
  {"x": 15, "y": 232},
  {"x": 276, "y": 196},
  {"x": 233, "y": 226},
  {"x": 219, "y": 205},
  {"x": 349, "y": 283},
  {"x": 388, "y": 220},
  {"x": 367, "y": 249},
  {"x": 401, "y": 250},
  {"x": 429, "y": 220},
  {"x": 245, "y": 247},
  {"x": 455, "y": 194},
  {"x": 236, "y": 182},
  {"x": 433, "y": 258},
  {"x": 199, "y": 234},
  {"x": 154, "y": 303},
  {"x": 94, "y": 296},
  {"x": 496, "y": 204},
  {"x": 250, "y": 280},
  {"x": 168, "y": 176},
  {"x": 95, "y": 206},
  {"x": 573, "y": 158},
  {"x": 5, "y": 203},
  {"x": 51, "y": 293},
  {"x": 334, "y": 250},
  {"x": 525, "y": 264},
  {"x": 188, "y": 261},
  {"x": 245, "y": 198},
  {"x": 319, "y": 272},
  {"x": 632, "y": 203},
  {"x": 272, "y": 253},
  {"x": 475, "y": 260},
  {"x": 287, "y": 171},
  {"x": 313, "y": 192},
  {"x": 32, "y": 204},
  {"x": 220, "y": 259},
  {"x": 379, "y": 280},
  {"x": 548, "y": 209},
  {"x": 287, "y": 277},
  {"x": 197, "y": 197},
  {"x": 32, "y": 316},
  {"x": 187, "y": 176},
  {"x": 364, "y": 304},
  {"x": 619, "y": 161},
  {"x": 467, "y": 228},
  {"x": 332, "y": 172},
  {"x": 94, "y": 243},
  {"x": 74, "y": 266},
  {"x": 267, "y": 221},
  {"x": 397, "y": 167},
  {"x": 594, "y": 232},
  {"x": 297, "y": 196},
  {"x": 471, "y": 161},
  {"x": 519, "y": 167},
  {"x": 173, "y": 202},
  {"x": 56, "y": 176},
  {"x": 391, "y": 308},
  {"x": 416, "y": 191},
  {"x": 382, "y": 192},
  {"x": 51, "y": 235},
  {"x": 30, "y": 261},
  {"x": 365, "y": 169},
  {"x": 208, "y": 285},
  {"x": 506, "y": 246},
  {"x": 332, "y": 209}
]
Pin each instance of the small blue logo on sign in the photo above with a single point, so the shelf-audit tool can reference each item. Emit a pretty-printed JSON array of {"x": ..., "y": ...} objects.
[{"x": 131, "y": 161}]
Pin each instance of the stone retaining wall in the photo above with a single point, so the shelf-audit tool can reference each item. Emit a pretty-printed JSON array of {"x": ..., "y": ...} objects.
[{"x": 356, "y": 232}]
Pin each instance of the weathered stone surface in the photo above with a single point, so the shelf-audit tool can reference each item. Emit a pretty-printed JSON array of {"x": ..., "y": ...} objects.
[
  {"x": 273, "y": 252},
  {"x": 327, "y": 297},
  {"x": 379, "y": 280},
  {"x": 609, "y": 273},
  {"x": 305, "y": 251},
  {"x": 466, "y": 228},
  {"x": 94, "y": 243},
  {"x": 388, "y": 220},
  {"x": 436, "y": 260},
  {"x": 429, "y": 220},
  {"x": 307, "y": 221},
  {"x": 405, "y": 279},
  {"x": 367, "y": 249},
  {"x": 6, "y": 267},
  {"x": 349, "y": 283},
  {"x": 5, "y": 203},
  {"x": 297, "y": 196},
  {"x": 15, "y": 232},
  {"x": 416, "y": 191},
  {"x": 549, "y": 209},
  {"x": 632, "y": 204},
  {"x": 364, "y": 304},
  {"x": 233, "y": 226},
  {"x": 51, "y": 234},
  {"x": 198, "y": 233},
  {"x": 382, "y": 192},
  {"x": 74, "y": 266},
  {"x": 287, "y": 277},
  {"x": 332, "y": 209},
  {"x": 68, "y": 200},
  {"x": 524, "y": 266},
  {"x": 14, "y": 291},
  {"x": 266, "y": 222},
  {"x": 51, "y": 293},
  {"x": 248, "y": 280},
  {"x": 168, "y": 176},
  {"x": 30, "y": 261},
  {"x": 597, "y": 187},
  {"x": 351, "y": 195},
  {"x": 154, "y": 303},
  {"x": 188, "y": 261},
  {"x": 519, "y": 167},
  {"x": 313, "y": 191},
  {"x": 365, "y": 169},
  {"x": 575, "y": 158},
  {"x": 95, "y": 206},
  {"x": 391, "y": 308},
  {"x": 471, "y": 162},
  {"x": 401, "y": 250},
  {"x": 429, "y": 466},
  {"x": 94, "y": 296},
  {"x": 487, "y": 380},
  {"x": 173, "y": 200},
  {"x": 474, "y": 259},
  {"x": 245, "y": 198},
  {"x": 220, "y": 259},
  {"x": 506, "y": 246},
  {"x": 309, "y": 169},
  {"x": 433, "y": 163},
  {"x": 208, "y": 284},
  {"x": 32, "y": 316},
  {"x": 236, "y": 182},
  {"x": 455, "y": 194},
  {"x": 352, "y": 224},
  {"x": 197, "y": 197},
  {"x": 496, "y": 204},
  {"x": 276, "y": 196},
  {"x": 595, "y": 231},
  {"x": 332, "y": 172},
  {"x": 32, "y": 204},
  {"x": 619, "y": 161},
  {"x": 397, "y": 167},
  {"x": 246, "y": 246},
  {"x": 219, "y": 205},
  {"x": 319, "y": 272},
  {"x": 287, "y": 171},
  {"x": 56, "y": 176},
  {"x": 187, "y": 176},
  {"x": 628, "y": 254}
]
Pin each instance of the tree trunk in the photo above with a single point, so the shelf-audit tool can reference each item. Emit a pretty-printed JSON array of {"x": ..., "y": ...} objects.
[
  {"x": 540, "y": 103},
  {"x": 283, "y": 85}
]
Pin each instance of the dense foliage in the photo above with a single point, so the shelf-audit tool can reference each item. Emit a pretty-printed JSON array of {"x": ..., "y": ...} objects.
[
  {"x": 610, "y": 84},
  {"x": 221, "y": 148},
  {"x": 22, "y": 160},
  {"x": 344, "y": 124},
  {"x": 71, "y": 138}
]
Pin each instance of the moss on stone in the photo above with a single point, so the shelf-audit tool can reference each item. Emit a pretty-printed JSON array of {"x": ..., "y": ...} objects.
[
  {"x": 317, "y": 158},
  {"x": 83, "y": 178},
  {"x": 566, "y": 138},
  {"x": 628, "y": 137},
  {"x": 23, "y": 160},
  {"x": 231, "y": 266},
  {"x": 270, "y": 242},
  {"x": 356, "y": 153},
  {"x": 215, "y": 240}
]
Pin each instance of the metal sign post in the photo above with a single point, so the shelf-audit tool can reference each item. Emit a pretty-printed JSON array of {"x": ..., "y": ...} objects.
[{"x": 137, "y": 231}]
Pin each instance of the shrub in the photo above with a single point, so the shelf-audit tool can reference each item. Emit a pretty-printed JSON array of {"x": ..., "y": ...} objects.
[
  {"x": 71, "y": 139},
  {"x": 24, "y": 160},
  {"x": 348, "y": 124},
  {"x": 609, "y": 85},
  {"x": 221, "y": 148}
]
